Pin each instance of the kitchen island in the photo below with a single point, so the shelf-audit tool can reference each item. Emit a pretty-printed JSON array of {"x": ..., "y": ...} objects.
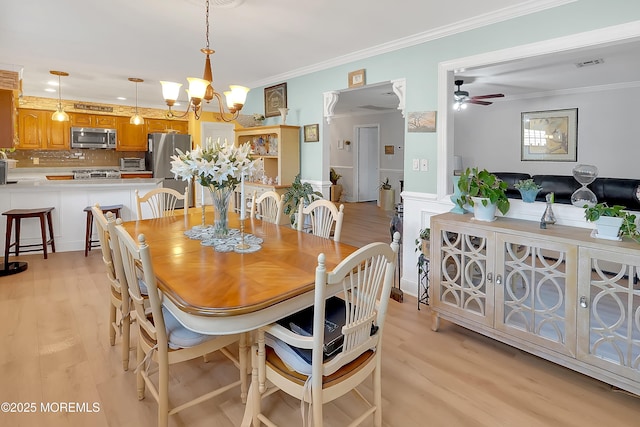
[{"x": 69, "y": 198}]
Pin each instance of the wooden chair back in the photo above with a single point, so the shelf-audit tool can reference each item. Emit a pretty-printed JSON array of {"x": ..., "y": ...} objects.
[
  {"x": 162, "y": 202},
  {"x": 324, "y": 218},
  {"x": 267, "y": 207}
]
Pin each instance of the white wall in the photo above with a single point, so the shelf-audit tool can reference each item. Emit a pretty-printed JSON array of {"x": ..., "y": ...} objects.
[
  {"x": 343, "y": 160},
  {"x": 489, "y": 136}
]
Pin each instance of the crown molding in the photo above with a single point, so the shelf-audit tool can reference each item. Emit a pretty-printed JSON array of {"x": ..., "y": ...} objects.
[{"x": 479, "y": 21}]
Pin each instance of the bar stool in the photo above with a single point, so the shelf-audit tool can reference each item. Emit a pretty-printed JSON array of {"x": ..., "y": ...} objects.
[
  {"x": 18, "y": 215},
  {"x": 88, "y": 243}
]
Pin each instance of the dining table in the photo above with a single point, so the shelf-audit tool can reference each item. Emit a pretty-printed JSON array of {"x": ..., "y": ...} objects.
[{"x": 214, "y": 292}]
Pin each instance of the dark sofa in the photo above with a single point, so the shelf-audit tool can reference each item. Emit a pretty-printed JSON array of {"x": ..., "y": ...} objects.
[{"x": 614, "y": 191}]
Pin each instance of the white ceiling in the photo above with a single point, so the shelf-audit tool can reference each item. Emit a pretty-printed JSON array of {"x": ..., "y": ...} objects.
[{"x": 101, "y": 44}]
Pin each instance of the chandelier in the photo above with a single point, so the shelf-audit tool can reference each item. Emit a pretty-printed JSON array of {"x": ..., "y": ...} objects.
[{"x": 202, "y": 89}]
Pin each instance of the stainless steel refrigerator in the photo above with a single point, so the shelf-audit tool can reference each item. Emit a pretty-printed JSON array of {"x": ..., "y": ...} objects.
[{"x": 161, "y": 147}]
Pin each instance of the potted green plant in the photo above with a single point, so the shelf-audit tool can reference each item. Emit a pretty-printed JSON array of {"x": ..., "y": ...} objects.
[
  {"x": 484, "y": 191},
  {"x": 291, "y": 198},
  {"x": 612, "y": 222},
  {"x": 336, "y": 189},
  {"x": 387, "y": 195},
  {"x": 528, "y": 189}
]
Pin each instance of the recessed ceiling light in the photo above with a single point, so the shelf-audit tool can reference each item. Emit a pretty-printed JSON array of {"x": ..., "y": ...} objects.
[
  {"x": 121, "y": 98},
  {"x": 52, "y": 83},
  {"x": 49, "y": 90}
]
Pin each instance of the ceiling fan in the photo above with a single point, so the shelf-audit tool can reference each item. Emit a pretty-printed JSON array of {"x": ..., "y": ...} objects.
[{"x": 461, "y": 97}]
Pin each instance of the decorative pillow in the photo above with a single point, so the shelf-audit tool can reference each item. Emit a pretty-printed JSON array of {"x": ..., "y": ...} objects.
[
  {"x": 288, "y": 355},
  {"x": 179, "y": 336}
]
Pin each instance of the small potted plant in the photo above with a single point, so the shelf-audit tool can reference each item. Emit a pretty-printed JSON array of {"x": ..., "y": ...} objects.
[
  {"x": 528, "y": 189},
  {"x": 485, "y": 192},
  {"x": 612, "y": 222},
  {"x": 422, "y": 242},
  {"x": 387, "y": 197},
  {"x": 291, "y": 198},
  {"x": 336, "y": 189}
]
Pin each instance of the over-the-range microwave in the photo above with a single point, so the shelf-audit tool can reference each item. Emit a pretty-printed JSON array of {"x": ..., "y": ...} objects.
[{"x": 93, "y": 138}]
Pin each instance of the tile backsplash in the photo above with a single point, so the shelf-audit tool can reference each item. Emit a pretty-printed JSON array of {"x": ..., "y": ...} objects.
[{"x": 70, "y": 158}]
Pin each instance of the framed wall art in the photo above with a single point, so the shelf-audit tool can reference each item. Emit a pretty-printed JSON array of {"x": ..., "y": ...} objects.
[
  {"x": 275, "y": 97},
  {"x": 356, "y": 78},
  {"x": 550, "y": 135},
  {"x": 311, "y": 133},
  {"x": 421, "y": 121}
]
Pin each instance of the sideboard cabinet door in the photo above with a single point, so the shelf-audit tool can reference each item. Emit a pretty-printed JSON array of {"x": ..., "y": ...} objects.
[
  {"x": 464, "y": 286},
  {"x": 536, "y": 291},
  {"x": 609, "y": 311}
]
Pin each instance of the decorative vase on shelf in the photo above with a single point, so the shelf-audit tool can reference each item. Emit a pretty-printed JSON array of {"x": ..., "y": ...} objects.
[
  {"x": 455, "y": 196},
  {"x": 529, "y": 196},
  {"x": 283, "y": 114},
  {"x": 221, "y": 198}
]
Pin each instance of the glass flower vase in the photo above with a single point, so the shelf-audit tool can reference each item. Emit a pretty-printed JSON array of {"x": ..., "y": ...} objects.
[{"x": 221, "y": 198}]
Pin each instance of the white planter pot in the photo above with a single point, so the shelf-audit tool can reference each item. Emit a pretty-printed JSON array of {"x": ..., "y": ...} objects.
[
  {"x": 608, "y": 227},
  {"x": 482, "y": 212}
]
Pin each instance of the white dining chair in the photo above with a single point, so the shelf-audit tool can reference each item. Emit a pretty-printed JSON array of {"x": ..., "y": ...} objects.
[
  {"x": 161, "y": 337},
  {"x": 322, "y": 216},
  {"x": 161, "y": 202},
  {"x": 119, "y": 311},
  {"x": 303, "y": 366},
  {"x": 267, "y": 207}
]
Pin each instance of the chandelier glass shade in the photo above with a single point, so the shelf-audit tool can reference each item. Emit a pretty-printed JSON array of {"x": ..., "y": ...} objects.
[
  {"x": 202, "y": 89},
  {"x": 136, "y": 119},
  {"x": 59, "y": 115}
]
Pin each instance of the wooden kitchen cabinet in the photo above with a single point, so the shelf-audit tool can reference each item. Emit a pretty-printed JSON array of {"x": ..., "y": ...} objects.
[
  {"x": 31, "y": 129},
  {"x": 7, "y": 118},
  {"x": 557, "y": 293},
  {"x": 130, "y": 137},
  {"x": 37, "y": 131},
  {"x": 166, "y": 126},
  {"x": 93, "y": 120}
]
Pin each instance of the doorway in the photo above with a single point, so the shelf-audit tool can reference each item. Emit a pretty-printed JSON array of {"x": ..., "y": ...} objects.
[{"x": 367, "y": 162}]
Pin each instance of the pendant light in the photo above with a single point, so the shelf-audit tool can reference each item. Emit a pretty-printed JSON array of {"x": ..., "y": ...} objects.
[
  {"x": 136, "y": 119},
  {"x": 59, "y": 115}
]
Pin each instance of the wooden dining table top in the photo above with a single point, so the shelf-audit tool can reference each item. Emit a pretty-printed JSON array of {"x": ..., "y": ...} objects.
[{"x": 202, "y": 282}]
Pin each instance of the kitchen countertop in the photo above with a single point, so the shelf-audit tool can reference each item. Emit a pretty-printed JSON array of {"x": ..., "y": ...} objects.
[{"x": 77, "y": 183}]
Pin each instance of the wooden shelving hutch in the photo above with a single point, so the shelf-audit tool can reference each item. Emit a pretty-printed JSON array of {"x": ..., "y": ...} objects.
[{"x": 279, "y": 147}]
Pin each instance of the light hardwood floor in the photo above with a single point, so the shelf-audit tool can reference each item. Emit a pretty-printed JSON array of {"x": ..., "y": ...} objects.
[{"x": 54, "y": 349}]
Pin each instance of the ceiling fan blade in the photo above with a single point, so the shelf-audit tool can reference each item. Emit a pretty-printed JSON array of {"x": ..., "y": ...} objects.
[
  {"x": 478, "y": 102},
  {"x": 493, "y": 95}
]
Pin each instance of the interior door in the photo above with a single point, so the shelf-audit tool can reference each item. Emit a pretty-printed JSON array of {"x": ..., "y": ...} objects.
[
  {"x": 213, "y": 130},
  {"x": 367, "y": 142}
]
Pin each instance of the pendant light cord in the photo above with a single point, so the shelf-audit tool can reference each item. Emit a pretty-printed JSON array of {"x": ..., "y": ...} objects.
[{"x": 207, "y": 24}]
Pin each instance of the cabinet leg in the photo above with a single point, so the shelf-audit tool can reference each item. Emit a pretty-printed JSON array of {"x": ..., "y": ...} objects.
[{"x": 435, "y": 322}]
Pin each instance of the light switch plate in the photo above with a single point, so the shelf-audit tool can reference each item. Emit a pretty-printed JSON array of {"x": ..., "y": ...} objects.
[
  {"x": 424, "y": 165},
  {"x": 416, "y": 164}
]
